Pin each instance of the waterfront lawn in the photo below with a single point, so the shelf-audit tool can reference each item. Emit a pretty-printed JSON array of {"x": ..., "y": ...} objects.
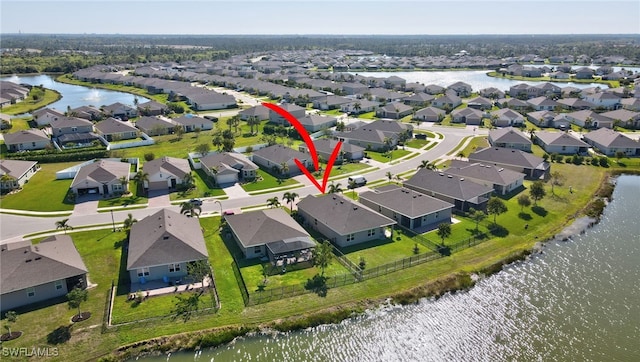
[
  {"x": 384, "y": 156},
  {"x": 125, "y": 310},
  {"x": 18, "y": 124},
  {"x": 136, "y": 197},
  {"x": 268, "y": 181},
  {"x": 382, "y": 251},
  {"x": 30, "y": 105},
  {"x": 43, "y": 192}
]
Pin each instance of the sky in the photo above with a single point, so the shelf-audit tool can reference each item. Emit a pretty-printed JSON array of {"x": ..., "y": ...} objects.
[{"x": 347, "y": 17}]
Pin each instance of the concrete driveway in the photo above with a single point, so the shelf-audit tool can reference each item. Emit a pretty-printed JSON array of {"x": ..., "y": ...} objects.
[{"x": 159, "y": 198}]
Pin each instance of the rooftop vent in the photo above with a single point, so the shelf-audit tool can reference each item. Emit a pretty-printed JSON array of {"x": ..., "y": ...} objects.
[
  {"x": 441, "y": 174},
  {"x": 501, "y": 169},
  {"x": 28, "y": 261},
  {"x": 449, "y": 176},
  {"x": 38, "y": 258},
  {"x": 462, "y": 179}
]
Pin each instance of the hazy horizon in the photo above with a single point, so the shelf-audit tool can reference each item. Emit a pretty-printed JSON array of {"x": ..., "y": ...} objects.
[{"x": 329, "y": 18}]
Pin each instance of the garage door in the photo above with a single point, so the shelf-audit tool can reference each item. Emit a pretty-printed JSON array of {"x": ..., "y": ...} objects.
[
  {"x": 225, "y": 179},
  {"x": 158, "y": 185}
]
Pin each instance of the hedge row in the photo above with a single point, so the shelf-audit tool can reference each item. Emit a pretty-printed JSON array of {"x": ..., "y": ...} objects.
[{"x": 53, "y": 157}]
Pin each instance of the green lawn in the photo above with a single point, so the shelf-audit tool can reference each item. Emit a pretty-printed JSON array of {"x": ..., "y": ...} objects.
[
  {"x": 417, "y": 143},
  {"x": 125, "y": 310},
  {"x": 18, "y": 124},
  {"x": 43, "y": 192},
  {"x": 30, "y": 105},
  {"x": 204, "y": 188},
  {"x": 368, "y": 115},
  {"x": 381, "y": 156},
  {"x": 136, "y": 198},
  {"x": 379, "y": 252},
  {"x": 476, "y": 143},
  {"x": 339, "y": 170},
  {"x": 268, "y": 181}
]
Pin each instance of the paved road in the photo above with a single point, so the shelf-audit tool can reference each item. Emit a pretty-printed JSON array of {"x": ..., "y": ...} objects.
[{"x": 12, "y": 227}]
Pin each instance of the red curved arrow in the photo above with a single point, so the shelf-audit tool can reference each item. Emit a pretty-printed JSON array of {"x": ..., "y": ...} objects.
[{"x": 312, "y": 148}]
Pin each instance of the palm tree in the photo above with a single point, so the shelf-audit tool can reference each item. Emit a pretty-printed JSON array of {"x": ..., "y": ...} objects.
[
  {"x": 217, "y": 139},
  {"x": 387, "y": 143},
  {"x": 389, "y": 176},
  {"x": 253, "y": 121},
  {"x": 352, "y": 186},
  {"x": 128, "y": 223},
  {"x": 63, "y": 224},
  {"x": 335, "y": 188},
  {"x": 427, "y": 165},
  {"x": 273, "y": 202},
  {"x": 284, "y": 168},
  {"x": 189, "y": 209},
  {"x": 290, "y": 197},
  {"x": 189, "y": 180},
  {"x": 357, "y": 107},
  {"x": 140, "y": 179},
  {"x": 124, "y": 181}
]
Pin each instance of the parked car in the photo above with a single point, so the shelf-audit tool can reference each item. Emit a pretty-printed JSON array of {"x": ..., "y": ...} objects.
[
  {"x": 196, "y": 202},
  {"x": 358, "y": 180}
]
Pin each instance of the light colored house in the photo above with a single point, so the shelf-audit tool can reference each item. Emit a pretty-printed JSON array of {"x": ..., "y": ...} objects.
[
  {"x": 604, "y": 100},
  {"x": 341, "y": 220},
  {"x": 469, "y": 116},
  {"x": 190, "y": 123},
  {"x": 359, "y": 106},
  {"x": 560, "y": 142},
  {"x": 271, "y": 232},
  {"x": 70, "y": 125},
  {"x": 509, "y": 137},
  {"x": 152, "y": 108},
  {"x": 258, "y": 112},
  {"x": 542, "y": 103},
  {"x": 394, "y": 110},
  {"x": 609, "y": 142},
  {"x": 409, "y": 208},
  {"x": 45, "y": 116},
  {"x": 506, "y": 117},
  {"x": 533, "y": 166},
  {"x": 165, "y": 173},
  {"x": 625, "y": 117},
  {"x": 228, "y": 167},
  {"x": 463, "y": 194},
  {"x": 25, "y": 140},
  {"x": 33, "y": 273},
  {"x": 119, "y": 110},
  {"x": 502, "y": 180},
  {"x": 324, "y": 149},
  {"x": 590, "y": 119},
  {"x": 449, "y": 101},
  {"x": 162, "y": 244},
  {"x": 102, "y": 177},
  {"x": 277, "y": 156},
  {"x": 430, "y": 114},
  {"x": 315, "y": 123},
  {"x": 372, "y": 136},
  {"x": 15, "y": 173},
  {"x": 462, "y": 89},
  {"x": 632, "y": 104},
  {"x": 113, "y": 130},
  {"x": 201, "y": 100}
]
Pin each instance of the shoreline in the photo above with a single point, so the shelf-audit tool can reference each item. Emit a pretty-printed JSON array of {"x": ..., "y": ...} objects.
[{"x": 450, "y": 283}]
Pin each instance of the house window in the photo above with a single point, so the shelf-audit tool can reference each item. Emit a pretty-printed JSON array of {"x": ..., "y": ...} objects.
[
  {"x": 33, "y": 144},
  {"x": 74, "y": 129},
  {"x": 31, "y": 292},
  {"x": 564, "y": 148},
  {"x": 437, "y": 214},
  {"x": 116, "y": 187},
  {"x": 257, "y": 249},
  {"x": 143, "y": 272},
  {"x": 173, "y": 268},
  {"x": 58, "y": 284},
  {"x": 351, "y": 237},
  {"x": 371, "y": 232},
  {"x": 315, "y": 222}
]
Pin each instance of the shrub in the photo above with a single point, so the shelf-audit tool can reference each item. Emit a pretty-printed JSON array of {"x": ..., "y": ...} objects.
[
  {"x": 149, "y": 156},
  {"x": 603, "y": 162}
]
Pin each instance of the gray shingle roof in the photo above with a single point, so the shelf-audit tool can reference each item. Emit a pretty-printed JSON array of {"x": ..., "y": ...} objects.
[
  {"x": 509, "y": 135},
  {"x": 446, "y": 184},
  {"x": 341, "y": 214},
  {"x": 228, "y": 160},
  {"x": 148, "y": 123},
  {"x": 405, "y": 201},
  {"x": 113, "y": 126},
  {"x": 279, "y": 154},
  {"x": 28, "y": 135},
  {"x": 24, "y": 265},
  {"x": 15, "y": 168},
  {"x": 559, "y": 139},
  {"x": 506, "y": 156},
  {"x": 488, "y": 173},
  {"x": 611, "y": 138},
  {"x": 264, "y": 226},
  {"x": 102, "y": 171},
  {"x": 170, "y": 165},
  {"x": 165, "y": 237}
]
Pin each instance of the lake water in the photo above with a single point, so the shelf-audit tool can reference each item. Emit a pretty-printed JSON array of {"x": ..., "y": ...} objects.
[
  {"x": 578, "y": 301},
  {"x": 478, "y": 79},
  {"x": 75, "y": 95}
]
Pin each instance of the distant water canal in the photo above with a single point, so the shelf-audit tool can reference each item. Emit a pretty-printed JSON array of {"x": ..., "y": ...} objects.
[{"x": 579, "y": 301}]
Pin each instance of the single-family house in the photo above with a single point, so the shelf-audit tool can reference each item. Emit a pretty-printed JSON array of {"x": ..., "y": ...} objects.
[
  {"x": 162, "y": 245},
  {"x": 330, "y": 102},
  {"x": 589, "y": 119},
  {"x": 103, "y": 177},
  {"x": 258, "y": 112},
  {"x": 491, "y": 93},
  {"x": 509, "y": 137},
  {"x": 296, "y": 111},
  {"x": 13, "y": 92},
  {"x": 609, "y": 142},
  {"x": 33, "y": 273},
  {"x": 113, "y": 130},
  {"x": 430, "y": 114},
  {"x": 533, "y": 166},
  {"x": 341, "y": 220},
  {"x": 462, "y": 193},
  {"x": 272, "y": 233},
  {"x": 377, "y": 135},
  {"x": 625, "y": 117},
  {"x": 152, "y": 108},
  {"x": 469, "y": 116},
  {"x": 201, "y": 100},
  {"x": 419, "y": 99},
  {"x": 70, "y": 125},
  {"x": 15, "y": 173},
  {"x": 584, "y": 73},
  {"x": 190, "y": 123},
  {"x": 229, "y": 167},
  {"x": 574, "y": 104},
  {"x": 119, "y": 110},
  {"x": 604, "y": 100},
  {"x": 155, "y": 126},
  {"x": 280, "y": 159},
  {"x": 433, "y": 89},
  {"x": 462, "y": 89},
  {"x": 481, "y": 103},
  {"x": 512, "y": 103},
  {"x": 447, "y": 101},
  {"x": 165, "y": 173},
  {"x": 26, "y": 140},
  {"x": 89, "y": 113},
  {"x": 632, "y": 104},
  {"x": 359, "y": 106},
  {"x": 541, "y": 118},
  {"x": 395, "y": 110},
  {"x": 324, "y": 149},
  {"x": 542, "y": 103},
  {"x": 560, "y": 142},
  {"x": 506, "y": 117},
  {"x": 45, "y": 116},
  {"x": 409, "y": 208},
  {"x": 314, "y": 122},
  {"x": 501, "y": 179}
]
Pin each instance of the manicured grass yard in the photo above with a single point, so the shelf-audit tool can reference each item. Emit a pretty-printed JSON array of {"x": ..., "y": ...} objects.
[
  {"x": 29, "y": 104},
  {"x": 380, "y": 156},
  {"x": 268, "y": 181},
  {"x": 475, "y": 144},
  {"x": 136, "y": 198},
  {"x": 379, "y": 252},
  {"x": 338, "y": 170},
  {"x": 43, "y": 192},
  {"x": 417, "y": 143},
  {"x": 203, "y": 188}
]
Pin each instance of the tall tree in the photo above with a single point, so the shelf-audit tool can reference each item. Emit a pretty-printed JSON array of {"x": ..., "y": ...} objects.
[
  {"x": 63, "y": 224},
  {"x": 203, "y": 149},
  {"x": 189, "y": 181},
  {"x": 537, "y": 191},
  {"x": 444, "y": 230},
  {"x": 75, "y": 299},
  {"x": 290, "y": 197},
  {"x": 140, "y": 178},
  {"x": 199, "y": 270},
  {"x": 477, "y": 216},
  {"x": 217, "y": 139},
  {"x": 189, "y": 209},
  {"x": 253, "y": 121},
  {"x": 128, "y": 223},
  {"x": 186, "y": 305},
  {"x": 389, "y": 176},
  {"x": 322, "y": 256},
  {"x": 284, "y": 169},
  {"x": 523, "y": 201},
  {"x": 495, "y": 207},
  {"x": 556, "y": 179}
]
